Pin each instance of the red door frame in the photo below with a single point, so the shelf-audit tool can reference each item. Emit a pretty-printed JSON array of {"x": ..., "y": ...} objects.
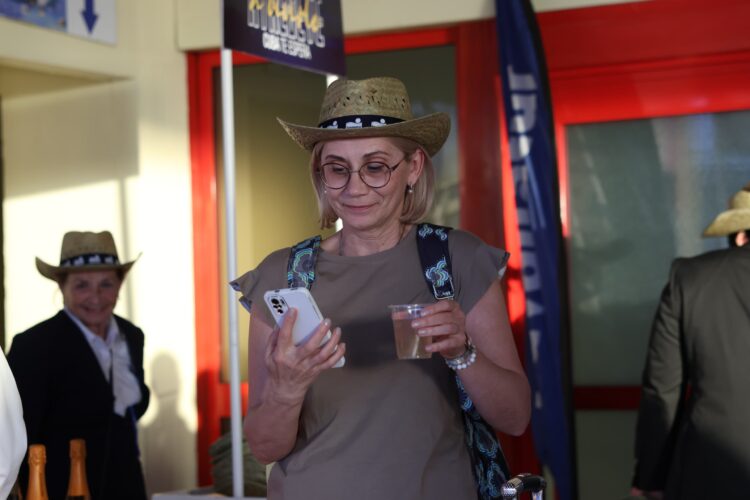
[
  {"x": 479, "y": 178},
  {"x": 624, "y": 61},
  {"x": 642, "y": 60}
]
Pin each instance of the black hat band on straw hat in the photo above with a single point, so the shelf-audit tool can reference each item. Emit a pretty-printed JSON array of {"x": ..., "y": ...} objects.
[
  {"x": 91, "y": 259},
  {"x": 359, "y": 121}
]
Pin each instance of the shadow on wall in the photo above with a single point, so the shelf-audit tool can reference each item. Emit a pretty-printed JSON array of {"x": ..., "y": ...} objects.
[
  {"x": 69, "y": 138},
  {"x": 167, "y": 444}
]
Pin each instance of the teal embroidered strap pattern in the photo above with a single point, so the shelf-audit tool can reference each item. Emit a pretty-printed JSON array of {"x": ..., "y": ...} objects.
[
  {"x": 301, "y": 266},
  {"x": 490, "y": 467}
]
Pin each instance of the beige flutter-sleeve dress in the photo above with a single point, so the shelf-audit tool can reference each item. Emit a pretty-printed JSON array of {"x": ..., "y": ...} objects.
[{"x": 379, "y": 428}]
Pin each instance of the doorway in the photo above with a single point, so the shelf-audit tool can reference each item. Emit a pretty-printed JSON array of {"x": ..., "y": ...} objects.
[
  {"x": 270, "y": 167},
  {"x": 650, "y": 148}
]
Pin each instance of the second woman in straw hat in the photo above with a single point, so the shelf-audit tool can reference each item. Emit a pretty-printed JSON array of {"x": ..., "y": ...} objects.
[
  {"x": 80, "y": 373},
  {"x": 379, "y": 427}
]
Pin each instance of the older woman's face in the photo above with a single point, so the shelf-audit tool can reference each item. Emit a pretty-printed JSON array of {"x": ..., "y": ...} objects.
[
  {"x": 358, "y": 205},
  {"x": 91, "y": 296}
]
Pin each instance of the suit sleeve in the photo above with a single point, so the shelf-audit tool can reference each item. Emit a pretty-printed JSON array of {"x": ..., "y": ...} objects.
[
  {"x": 140, "y": 407},
  {"x": 30, "y": 363},
  {"x": 662, "y": 392}
]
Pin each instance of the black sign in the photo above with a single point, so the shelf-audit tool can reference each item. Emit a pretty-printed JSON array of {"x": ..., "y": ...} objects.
[{"x": 302, "y": 33}]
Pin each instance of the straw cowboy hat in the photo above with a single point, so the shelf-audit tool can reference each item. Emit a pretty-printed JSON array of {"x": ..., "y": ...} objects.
[
  {"x": 734, "y": 220},
  {"x": 85, "y": 251},
  {"x": 376, "y": 107}
]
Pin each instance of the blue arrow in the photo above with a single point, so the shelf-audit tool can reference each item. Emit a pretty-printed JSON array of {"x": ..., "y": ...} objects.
[{"x": 89, "y": 15}]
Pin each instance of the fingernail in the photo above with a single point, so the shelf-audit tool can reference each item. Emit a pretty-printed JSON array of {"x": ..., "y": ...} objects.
[{"x": 416, "y": 324}]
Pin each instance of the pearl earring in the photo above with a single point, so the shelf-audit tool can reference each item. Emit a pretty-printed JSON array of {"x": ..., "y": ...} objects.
[{"x": 409, "y": 189}]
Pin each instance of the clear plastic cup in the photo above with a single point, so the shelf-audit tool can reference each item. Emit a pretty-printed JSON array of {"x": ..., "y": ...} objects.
[{"x": 409, "y": 345}]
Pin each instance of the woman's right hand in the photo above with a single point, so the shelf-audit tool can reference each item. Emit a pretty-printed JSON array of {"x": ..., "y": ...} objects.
[{"x": 292, "y": 369}]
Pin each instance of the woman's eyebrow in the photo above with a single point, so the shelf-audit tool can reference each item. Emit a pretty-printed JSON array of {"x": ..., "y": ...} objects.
[
  {"x": 365, "y": 156},
  {"x": 375, "y": 153},
  {"x": 335, "y": 157}
]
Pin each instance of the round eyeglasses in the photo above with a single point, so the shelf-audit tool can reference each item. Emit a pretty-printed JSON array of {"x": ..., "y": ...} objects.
[{"x": 374, "y": 174}]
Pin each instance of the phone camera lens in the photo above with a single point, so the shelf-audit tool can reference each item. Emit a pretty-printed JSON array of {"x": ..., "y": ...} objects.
[{"x": 275, "y": 301}]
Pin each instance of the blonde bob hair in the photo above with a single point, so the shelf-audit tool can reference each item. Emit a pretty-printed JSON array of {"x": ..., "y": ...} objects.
[{"x": 416, "y": 204}]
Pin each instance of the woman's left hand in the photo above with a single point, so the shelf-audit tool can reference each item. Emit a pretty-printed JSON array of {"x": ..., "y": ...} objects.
[{"x": 445, "y": 322}]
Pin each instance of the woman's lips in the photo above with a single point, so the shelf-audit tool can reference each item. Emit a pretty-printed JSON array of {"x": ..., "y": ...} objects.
[{"x": 358, "y": 208}]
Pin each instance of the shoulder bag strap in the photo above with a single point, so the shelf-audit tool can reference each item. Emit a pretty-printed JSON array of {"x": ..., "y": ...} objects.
[
  {"x": 301, "y": 266},
  {"x": 432, "y": 245},
  {"x": 487, "y": 459}
]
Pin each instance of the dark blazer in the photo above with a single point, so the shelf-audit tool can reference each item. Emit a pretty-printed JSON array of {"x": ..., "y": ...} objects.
[
  {"x": 65, "y": 395},
  {"x": 693, "y": 432}
]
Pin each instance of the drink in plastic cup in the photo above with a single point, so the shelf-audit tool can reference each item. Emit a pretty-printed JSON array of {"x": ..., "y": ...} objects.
[{"x": 409, "y": 345}]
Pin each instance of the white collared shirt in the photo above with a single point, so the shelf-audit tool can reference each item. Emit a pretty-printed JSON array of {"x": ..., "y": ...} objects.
[
  {"x": 125, "y": 386},
  {"x": 12, "y": 429}
]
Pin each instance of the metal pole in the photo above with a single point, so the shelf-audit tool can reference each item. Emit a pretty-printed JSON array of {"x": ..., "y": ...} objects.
[
  {"x": 227, "y": 114},
  {"x": 330, "y": 78}
]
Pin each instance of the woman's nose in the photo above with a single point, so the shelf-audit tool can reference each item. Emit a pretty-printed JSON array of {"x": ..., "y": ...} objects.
[
  {"x": 98, "y": 296},
  {"x": 356, "y": 185}
]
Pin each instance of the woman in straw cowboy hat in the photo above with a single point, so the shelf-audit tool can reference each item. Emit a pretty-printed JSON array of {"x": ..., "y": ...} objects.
[
  {"x": 378, "y": 427},
  {"x": 692, "y": 440},
  {"x": 80, "y": 373}
]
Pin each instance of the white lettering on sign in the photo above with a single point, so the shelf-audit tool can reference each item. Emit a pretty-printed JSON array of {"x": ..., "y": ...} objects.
[
  {"x": 289, "y": 47},
  {"x": 535, "y": 337},
  {"x": 524, "y": 109},
  {"x": 271, "y": 42}
]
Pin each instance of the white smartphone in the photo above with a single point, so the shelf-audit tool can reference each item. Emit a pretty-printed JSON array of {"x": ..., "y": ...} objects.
[{"x": 308, "y": 315}]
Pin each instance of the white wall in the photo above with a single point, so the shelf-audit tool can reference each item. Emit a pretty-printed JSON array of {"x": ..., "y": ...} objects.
[{"x": 98, "y": 139}]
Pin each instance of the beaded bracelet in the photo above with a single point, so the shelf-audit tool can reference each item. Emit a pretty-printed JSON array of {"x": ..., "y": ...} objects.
[{"x": 464, "y": 360}]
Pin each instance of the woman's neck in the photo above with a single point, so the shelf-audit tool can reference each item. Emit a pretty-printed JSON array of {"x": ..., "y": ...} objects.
[
  {"x": 98, "y": 329},
  {"x": 360, "y": 243}
]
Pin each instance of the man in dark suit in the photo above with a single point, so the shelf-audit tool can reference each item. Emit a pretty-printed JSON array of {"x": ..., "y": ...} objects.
[
  {"x": 80, "y": 374},
  {"x": 693, "y": 431}
]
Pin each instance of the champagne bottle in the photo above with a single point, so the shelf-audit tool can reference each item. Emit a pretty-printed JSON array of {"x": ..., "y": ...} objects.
[
  {"x": 37, "y": 482},
  {"x": 78, "y": 487}
]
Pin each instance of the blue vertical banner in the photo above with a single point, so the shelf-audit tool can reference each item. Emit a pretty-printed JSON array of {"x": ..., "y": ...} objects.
[{"x": 529, "y": 121}]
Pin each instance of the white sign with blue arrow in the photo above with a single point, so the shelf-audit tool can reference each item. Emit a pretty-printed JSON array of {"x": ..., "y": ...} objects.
[{"x": 92, "y": 19}]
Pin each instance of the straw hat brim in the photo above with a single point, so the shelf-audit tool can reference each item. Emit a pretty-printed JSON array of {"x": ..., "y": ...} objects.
[
  {"x": 56, "y": 272},
  {"x": 430, "y": 131},
  {"x": 729, "y": 222}
]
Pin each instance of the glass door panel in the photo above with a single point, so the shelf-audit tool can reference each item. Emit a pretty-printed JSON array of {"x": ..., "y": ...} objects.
[{"x": 641, "y": 193}]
